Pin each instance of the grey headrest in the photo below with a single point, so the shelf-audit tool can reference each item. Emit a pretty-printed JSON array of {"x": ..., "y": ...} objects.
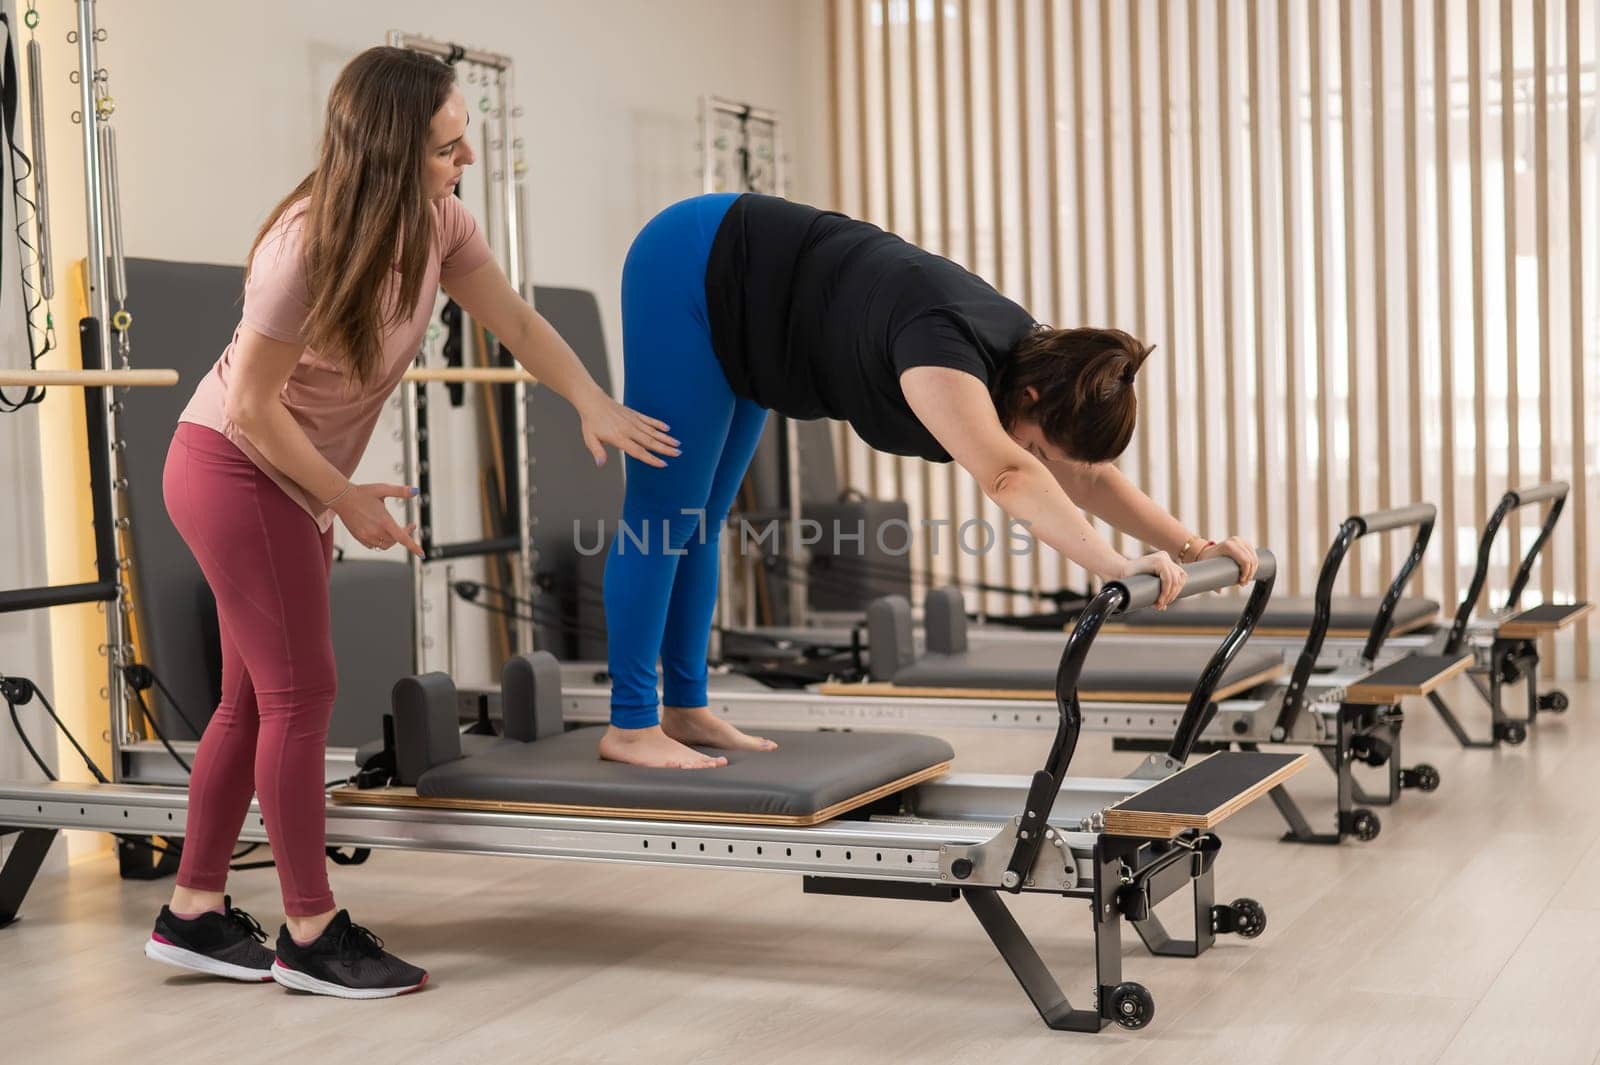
[
  {"x": 426, "y": 730},
  {"x": 944, "y": 617},
  {"x": 891, "y": 643},
  {"x": 530, "y": 696}
]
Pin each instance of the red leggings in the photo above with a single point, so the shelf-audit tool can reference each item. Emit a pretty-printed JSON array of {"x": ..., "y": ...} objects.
[{"x": 267, "y": 565}]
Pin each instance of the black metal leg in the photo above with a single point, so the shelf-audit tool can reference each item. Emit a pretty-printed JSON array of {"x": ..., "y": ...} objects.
[
  {"x": 1030, "y": 970},
  {"x": 1497, "y": 711},
  {"x": 1300, "y": 830},
  {"x": 16, "y": 876},
  {"x": 1389, "y": 725},
  {"x": 1530, "y": 680},
  {"x": 1454, "y": 724},
  {"x": 1168, "y": 881}
]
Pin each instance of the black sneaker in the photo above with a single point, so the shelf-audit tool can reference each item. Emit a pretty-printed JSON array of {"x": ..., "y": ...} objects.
[
  {"x": 227, "y": 944},
  {"x": 346, "y": 961}
]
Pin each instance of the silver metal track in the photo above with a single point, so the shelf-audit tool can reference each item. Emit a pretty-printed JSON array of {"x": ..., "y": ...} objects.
[
  {"x": 898, "y": 849},
  {"x": 147, "y": 762},
  {"x": 1236, "y": 718}
]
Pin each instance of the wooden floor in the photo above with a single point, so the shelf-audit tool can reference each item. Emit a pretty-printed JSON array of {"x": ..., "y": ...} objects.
[{"x": 1469, "y": 931}]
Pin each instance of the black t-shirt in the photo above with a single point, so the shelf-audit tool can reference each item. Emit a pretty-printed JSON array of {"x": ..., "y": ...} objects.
[{"x": 816, "y": 315}]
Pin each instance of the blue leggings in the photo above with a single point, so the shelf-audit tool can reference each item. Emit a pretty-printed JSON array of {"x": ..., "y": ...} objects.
[{"x": 661, "y": 575}]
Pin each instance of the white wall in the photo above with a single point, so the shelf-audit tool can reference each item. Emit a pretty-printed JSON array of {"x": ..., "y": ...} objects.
[{"x": 219, "y": 109}]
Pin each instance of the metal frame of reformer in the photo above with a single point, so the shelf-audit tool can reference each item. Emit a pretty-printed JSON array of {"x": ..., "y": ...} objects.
[
  {"x": 104, "y": 280},
  {"x": 503, "y": 164},
  {"x": 1123, "y": 876},
  {"x": 1499, "y": 657},
  {"x": 1509, "y": 652},
  {"x": 712, "y": 109},
  {"x": 1345, "y": 717}
]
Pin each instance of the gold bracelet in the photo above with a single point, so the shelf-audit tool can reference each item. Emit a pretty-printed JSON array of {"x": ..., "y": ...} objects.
[
  {"x": 1183, "y": 552},
  {"x": 344, "y": 492}
]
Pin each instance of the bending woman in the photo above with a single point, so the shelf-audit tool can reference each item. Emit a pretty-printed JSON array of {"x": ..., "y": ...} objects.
[
  {"x": 341, "y": 286},
  {"x": 736, "y": 305}
]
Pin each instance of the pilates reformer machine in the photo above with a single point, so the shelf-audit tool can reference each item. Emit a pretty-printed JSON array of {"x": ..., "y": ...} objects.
[
  {"x": 860, "y": 814},
  {"x": 1503, "y": 645},
  {"x": 853, "y": 814}
]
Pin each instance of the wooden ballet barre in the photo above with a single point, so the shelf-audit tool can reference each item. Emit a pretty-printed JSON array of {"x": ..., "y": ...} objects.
[
  {"x": 89, "y": 378},
  {"x": 455, "y": 375}
]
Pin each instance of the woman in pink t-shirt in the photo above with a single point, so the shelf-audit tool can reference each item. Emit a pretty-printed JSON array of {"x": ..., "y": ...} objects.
[{"x": 340, "y": 289}]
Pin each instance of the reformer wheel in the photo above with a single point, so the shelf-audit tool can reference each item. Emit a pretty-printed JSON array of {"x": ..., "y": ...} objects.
[
  {"x": 1131, "y": 1005},
  {"x": 1512, "y": 732},
  {"x": 1364, "y": 825},
  {"x": 1251, "y": 918},
  {"x": 1555, "y": 702},
  {"x": 1421, "y": 776}
]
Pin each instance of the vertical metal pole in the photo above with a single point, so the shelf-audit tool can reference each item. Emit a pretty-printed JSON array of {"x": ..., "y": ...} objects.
[
  {"x": 41, "y": 185},
  {"x": 450, "y": 619},
  {"x": 797, "y": 555},
  {"x": 708, "y": 155},
  {"x": 780, "y": 170},
  {"x": 413, "y": 463},
  {"x": 515, "y": 272},
  {"x": 99, "y": 307}
]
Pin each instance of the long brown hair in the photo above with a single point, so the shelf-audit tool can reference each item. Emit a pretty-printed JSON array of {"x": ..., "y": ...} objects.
[
  {"x": 367, "y": 209},
  {"x": 1084, "y": 379}
]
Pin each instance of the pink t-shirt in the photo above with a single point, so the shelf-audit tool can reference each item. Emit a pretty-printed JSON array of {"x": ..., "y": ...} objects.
[{"x": 337, "y": 415}]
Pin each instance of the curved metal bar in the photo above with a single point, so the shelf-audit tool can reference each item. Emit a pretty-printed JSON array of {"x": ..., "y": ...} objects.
[
  {"x": 1115, "y": 598},
  {"x": 1197, "y": 715},
  {"x": 1321, "y": 617},
  {"x": 1046, "y": 784},
  {"x": 1423, "y": 516},
  {"x": 1555, "y": 493}
]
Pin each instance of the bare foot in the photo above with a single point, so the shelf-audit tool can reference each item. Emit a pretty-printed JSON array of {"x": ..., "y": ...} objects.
[
  {"x": 699, "y": 726},
  {"x": 653, "y": 747}
]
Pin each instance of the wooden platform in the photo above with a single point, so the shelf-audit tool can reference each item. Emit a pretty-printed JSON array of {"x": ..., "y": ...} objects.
[
  {"x": 885, "y": 689},
  {"x": 408, "y": 797},
  {"x": 1409, "y": 676},
  {"x": 1543, "y": 620},
  {"x": 1203, "y": 795}
]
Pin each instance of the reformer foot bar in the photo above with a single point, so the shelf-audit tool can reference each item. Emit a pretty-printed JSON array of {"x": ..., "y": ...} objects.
[{"x": 1125, "y": 846}]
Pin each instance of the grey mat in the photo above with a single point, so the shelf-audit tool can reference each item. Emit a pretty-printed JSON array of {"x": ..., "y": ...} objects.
[
  {"x": 1146, "y": 666},
  {"x": 809, "y": 773},
  {"x": 1293, "y": 612}
]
